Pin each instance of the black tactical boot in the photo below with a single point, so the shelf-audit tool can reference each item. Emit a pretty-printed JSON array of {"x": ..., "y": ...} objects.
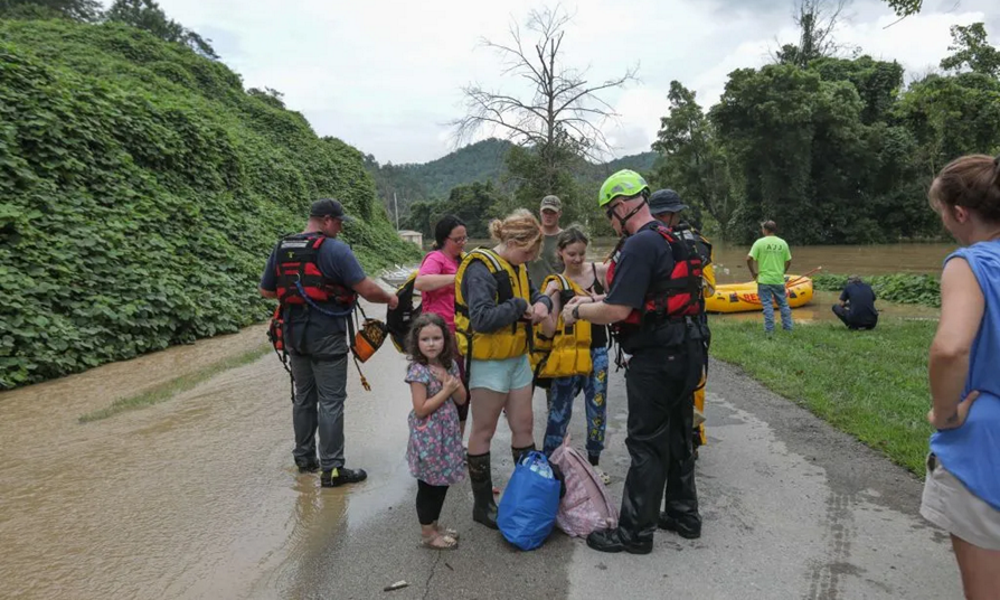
[{"x": 484, "y": 508}]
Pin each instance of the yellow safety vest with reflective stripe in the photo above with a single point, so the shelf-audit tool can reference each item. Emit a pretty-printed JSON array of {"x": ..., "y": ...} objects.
[
  {"x": 512, "y": 282},
  {"x": 568, "y": 352}
]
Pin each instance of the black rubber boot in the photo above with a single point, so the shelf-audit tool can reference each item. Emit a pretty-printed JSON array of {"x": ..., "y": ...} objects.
[
  {"x": 517, "y": 453},
  {"x": 484, "y": 508}
]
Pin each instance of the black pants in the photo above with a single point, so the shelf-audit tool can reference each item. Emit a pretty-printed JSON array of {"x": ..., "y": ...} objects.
[
  {"x": 430, "y": 499},
  {"x": 845, "y": 316},
  {"x": 660, "y": 423}
]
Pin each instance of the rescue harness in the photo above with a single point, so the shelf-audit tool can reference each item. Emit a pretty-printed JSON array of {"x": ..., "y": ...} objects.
[{"x": 300, "y": 282}]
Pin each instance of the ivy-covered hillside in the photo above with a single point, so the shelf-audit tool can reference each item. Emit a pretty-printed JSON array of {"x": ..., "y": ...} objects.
[{"x": 141, "y": 189}]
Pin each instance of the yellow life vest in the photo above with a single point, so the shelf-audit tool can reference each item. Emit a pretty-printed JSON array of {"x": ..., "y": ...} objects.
[
  {"x": 512, "y": 282},
  {"x": 568, "y": 352}
]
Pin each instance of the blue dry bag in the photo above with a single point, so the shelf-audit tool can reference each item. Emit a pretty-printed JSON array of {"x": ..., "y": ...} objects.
[{"x": 527, "y": 511}]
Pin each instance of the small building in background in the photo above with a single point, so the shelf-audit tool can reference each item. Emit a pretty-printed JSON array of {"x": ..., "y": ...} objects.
[{"x": 412, "y": 236}]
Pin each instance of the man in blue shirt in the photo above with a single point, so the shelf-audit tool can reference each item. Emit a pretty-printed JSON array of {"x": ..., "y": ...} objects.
[
  {"x": 317, "y": 279},
  {"x": 857, "y": 305}
]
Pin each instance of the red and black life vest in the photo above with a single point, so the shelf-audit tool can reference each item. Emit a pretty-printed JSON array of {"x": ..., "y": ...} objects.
[
  {"x": 674, "y": 298},
  {"x": 297, "y": 266}
]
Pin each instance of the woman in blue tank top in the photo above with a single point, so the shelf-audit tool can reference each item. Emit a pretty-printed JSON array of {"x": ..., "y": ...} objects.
[{"x": 962, "y": 491}]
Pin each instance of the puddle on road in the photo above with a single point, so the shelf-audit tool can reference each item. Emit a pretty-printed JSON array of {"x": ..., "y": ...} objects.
[{"x": 195, "y": 497}]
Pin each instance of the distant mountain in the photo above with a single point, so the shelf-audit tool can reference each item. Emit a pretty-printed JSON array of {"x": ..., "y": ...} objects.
[{"x": 482, "y": 161}]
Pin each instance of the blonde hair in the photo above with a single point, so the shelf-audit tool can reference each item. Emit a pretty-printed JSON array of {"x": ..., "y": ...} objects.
[{"x": 520, "y": 228}]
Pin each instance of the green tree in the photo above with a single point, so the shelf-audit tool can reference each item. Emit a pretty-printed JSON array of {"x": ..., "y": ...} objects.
[
  {"x": 800, "y": 145},
  {"x": 972, "y": 50},
  {"x": 905, "y": 8},
  {"x": 88, "y": 11},
  {"x": 877, "y": 82},
  {"x": 147, "y": 15},
  {"x": 694, "y": 163},
  {"x": 951, "y": 116},
  {"x": 474, "y": 203}
]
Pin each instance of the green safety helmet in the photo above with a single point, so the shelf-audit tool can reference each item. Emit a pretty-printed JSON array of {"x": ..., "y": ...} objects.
[{"x": 623, "y": 183}]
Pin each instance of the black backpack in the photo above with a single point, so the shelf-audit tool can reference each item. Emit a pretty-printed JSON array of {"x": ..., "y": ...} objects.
[{"x": 399, "y": 319}]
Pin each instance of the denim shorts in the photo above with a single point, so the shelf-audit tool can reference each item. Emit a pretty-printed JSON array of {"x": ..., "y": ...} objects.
[{"x": 500, "y": 375}]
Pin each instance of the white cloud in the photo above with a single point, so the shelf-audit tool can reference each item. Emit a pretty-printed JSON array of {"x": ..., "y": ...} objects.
[{"x": 386, "y": 75}]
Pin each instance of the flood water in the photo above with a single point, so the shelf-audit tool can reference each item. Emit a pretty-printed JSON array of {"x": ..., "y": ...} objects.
[
  {"x": 194, "y": 497},
  {"x": 731, "y": 267}
]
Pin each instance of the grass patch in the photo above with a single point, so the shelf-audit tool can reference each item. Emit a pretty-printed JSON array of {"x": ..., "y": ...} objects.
[
  {"x": 169, "y": 389},
  {"x": 871, "y": 384}
]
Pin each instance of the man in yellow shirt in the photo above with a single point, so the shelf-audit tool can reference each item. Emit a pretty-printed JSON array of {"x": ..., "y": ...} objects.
[{"x": 768, "y": 262}]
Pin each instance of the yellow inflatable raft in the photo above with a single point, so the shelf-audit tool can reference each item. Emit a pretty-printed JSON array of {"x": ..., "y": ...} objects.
[{"x": 742, "y": 297}]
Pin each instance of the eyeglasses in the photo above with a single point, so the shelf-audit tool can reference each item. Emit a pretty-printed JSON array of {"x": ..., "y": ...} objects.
[
  {"x": 610, "y": 210},
  {"x": 459, "y": 240}
]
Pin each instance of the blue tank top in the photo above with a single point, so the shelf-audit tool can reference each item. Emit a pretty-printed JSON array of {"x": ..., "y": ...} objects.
[{"x": 972, "y": 452}]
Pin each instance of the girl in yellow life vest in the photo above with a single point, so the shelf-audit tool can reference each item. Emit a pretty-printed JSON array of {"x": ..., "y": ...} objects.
[
  {"x": 495, "y": 308},
  {"x": 587, "y": 279}
]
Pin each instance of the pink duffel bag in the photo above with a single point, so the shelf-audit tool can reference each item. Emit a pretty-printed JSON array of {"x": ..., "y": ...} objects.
[{"x": 587, "y": 506}]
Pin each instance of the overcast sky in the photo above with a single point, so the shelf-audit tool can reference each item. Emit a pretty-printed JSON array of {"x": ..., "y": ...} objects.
[{"x": 387, "y": 76}]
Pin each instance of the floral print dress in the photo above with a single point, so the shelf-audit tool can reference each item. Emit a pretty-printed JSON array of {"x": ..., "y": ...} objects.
[{"x": 434, "y": 453}]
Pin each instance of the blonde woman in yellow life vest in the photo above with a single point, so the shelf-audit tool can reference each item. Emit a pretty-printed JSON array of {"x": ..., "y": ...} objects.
[
  {"x": 576, "y": 360},
  {"x": 495, "y": 309}
]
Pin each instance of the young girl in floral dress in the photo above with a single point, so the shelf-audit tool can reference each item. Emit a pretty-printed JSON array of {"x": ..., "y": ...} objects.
[{"x": 435, "y": 453}]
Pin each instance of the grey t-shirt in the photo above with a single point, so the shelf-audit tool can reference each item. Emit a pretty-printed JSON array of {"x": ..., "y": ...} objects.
[
  {"x": 547, "y": 263},
  {"x": 309, "y": 331}
]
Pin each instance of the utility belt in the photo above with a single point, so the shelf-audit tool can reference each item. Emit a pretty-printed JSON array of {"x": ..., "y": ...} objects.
[{"x": 659, "y": 332}]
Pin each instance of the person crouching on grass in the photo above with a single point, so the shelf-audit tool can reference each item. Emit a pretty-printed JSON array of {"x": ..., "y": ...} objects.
[{"x": 435, "y": 453}]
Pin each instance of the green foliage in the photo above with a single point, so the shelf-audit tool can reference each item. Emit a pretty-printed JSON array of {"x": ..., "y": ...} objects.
[
  {"x": 901, "y": 288},
  {"x": 878, "y": 83},
  {"x": 476, "y": 204},
  {"x": 949, "y": 117},
  {"x": 973, "y": 51},
  {"x": 141, "y": 190},
  {"x": 833, "y": 152},
  {"x": 530, "y": 169},
  {"x": 905, "y": 8},
  {"x": 695, "y": 164},
  {"x": 77, "y": 10},
  {"x": 148, "y": 16}
]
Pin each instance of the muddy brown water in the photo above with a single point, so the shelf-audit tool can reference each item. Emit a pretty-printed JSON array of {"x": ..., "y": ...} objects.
[{"x": 194, "y": 497}]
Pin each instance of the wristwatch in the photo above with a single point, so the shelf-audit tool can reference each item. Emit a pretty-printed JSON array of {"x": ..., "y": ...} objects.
[{"x": 576, "y": 312}]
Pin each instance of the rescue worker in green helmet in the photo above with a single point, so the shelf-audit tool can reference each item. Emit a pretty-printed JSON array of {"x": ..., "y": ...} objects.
[{"x": 653, "y": 307}]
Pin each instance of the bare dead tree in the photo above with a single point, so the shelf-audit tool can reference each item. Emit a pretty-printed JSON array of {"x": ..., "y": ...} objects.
[
  {"x": 817, "y": 20},
  {"x": 564, "y": 107}
]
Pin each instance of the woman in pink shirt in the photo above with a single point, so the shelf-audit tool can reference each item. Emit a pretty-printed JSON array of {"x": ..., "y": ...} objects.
[{"x": 436, "y": 281}]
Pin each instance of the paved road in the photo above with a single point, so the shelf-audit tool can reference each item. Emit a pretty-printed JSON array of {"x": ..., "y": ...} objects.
[
  {"x": 196, "y": 497},
  {"x": 792, "y": 509}
]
